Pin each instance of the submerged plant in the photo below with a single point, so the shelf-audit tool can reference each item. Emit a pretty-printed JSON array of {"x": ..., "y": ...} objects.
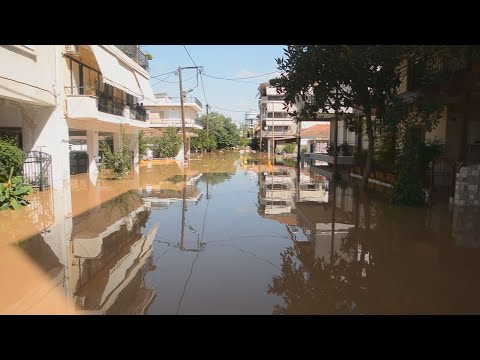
[{"x": 13, "y": 191}]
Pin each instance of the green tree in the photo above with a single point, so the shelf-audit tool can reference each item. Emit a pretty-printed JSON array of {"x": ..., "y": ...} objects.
[
  {"x": 290, "y": 148},
  {"x": 221, "y": 129},
  {"x": 167, "y": 144},
  {"x": 203, "y": 142},
  {"x": 142, "y": 144},
  {"x": 362, "y": 77},
  {"x": 10, "y": 156}
]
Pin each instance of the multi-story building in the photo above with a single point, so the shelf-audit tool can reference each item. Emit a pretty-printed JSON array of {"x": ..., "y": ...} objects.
[
  {"x": 251, "y": 122},
  {"x": 166, "y": 111},
  {"x": 276, "y": 125},
  {"x": 49, "y": 92}
]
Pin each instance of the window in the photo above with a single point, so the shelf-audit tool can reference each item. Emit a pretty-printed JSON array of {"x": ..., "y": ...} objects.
[{"x": 12, "y": 133}]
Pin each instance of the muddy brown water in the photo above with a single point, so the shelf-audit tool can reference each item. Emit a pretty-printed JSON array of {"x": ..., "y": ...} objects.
[{"x": 229, "y": 235}]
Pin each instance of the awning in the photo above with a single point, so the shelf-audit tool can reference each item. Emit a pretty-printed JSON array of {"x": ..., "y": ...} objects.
[
  {"x": 116, "y": 73},
  {"x": 145, "y": 87}
]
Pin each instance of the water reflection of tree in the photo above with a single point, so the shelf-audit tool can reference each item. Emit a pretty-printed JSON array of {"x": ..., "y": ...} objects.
[
  {"x": 310, "y": 286},
  {"x": 215, "y": 178},
  {"x": 378, "y": 267},
  {"x": 124, "y": 204}
]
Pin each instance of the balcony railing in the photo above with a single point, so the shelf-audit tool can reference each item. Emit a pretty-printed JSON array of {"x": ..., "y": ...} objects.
[
  {"x": 174, "y": 122},
  {"x": 134, "y": 52},
  {"x": 176, "y": 100},
  {"x": 441, "y": 67},
  {"x": 112, "y": 105},
  {"x": 138, "y": 114}
]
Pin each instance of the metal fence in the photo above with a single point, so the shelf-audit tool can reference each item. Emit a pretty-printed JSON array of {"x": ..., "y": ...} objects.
[{"x": 37, "y": 170}]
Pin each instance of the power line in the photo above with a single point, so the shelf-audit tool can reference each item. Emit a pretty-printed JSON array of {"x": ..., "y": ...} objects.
[
  {"x": 190, "y": 56},
  {"x": 158, "y": 82},
  {"x": 203, "y": 88},
  {"x": 173, "y": 82},
  {"x": 156, "y": 76},
  {"x": 216, "y": 107},
  {"x": 241, "y": 81},
  {"x": 241, "y": 78}
]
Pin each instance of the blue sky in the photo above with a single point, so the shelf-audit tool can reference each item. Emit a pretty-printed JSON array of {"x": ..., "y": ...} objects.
[{"x": 228, "y": 61}]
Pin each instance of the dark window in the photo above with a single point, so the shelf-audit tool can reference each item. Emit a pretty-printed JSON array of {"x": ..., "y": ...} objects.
[{"x": 12, "y": 133}]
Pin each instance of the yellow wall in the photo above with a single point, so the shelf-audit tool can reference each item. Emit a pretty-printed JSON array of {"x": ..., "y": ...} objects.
[{"x": 439, "y": 132}]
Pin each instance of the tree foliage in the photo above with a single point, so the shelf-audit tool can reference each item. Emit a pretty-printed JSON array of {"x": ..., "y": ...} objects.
[
  {"x": 167, "y": 144},
  {"x": 222, "y": 132},
  {"x": 10, "y": 157},
  {"x": 364, "y": 79},
  {"x": 142, "y": 144},
  {"x": 120, "y": 162}
]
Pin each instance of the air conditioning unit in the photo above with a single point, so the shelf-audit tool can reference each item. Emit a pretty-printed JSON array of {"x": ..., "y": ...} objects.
[{"x": 71, "y": 49}]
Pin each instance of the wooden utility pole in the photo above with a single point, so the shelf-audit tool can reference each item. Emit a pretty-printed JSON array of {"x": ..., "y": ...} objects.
[
  {"x": 185, "y": 150},
  {"x": 298, "y": 142},
  {"x": 335, "y": 134},
  {"x": 206, "y": 120}
]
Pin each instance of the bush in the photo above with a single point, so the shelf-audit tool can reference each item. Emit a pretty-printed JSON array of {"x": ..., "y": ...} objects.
[
  {"x": 13, "y": 191},
  {"x": 168, "y": 144},
  {"x": 120, "y": 162},
  {"x": 10, "y": 157},
  {"x": 255, "y": 143},
  {"x": 289, "y": 148},
  {"x": 410, "y": 194},
  {"x": 360, "y": 158}
]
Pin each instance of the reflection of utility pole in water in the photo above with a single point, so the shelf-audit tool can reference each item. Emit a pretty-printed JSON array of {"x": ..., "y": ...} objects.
[
  {"x": 334, "y": 200},
  {"x": 184, "y": 209},
  {"x": 208, "y": 194}
]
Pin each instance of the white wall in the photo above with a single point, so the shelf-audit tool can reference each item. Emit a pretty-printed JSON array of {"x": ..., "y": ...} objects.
[{"x": 33, "y": 72}]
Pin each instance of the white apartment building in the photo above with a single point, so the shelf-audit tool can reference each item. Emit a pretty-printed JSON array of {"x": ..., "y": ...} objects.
[
  {"x": 276, "y": 125},
  {"x": 166, "y": 111},
  {"x": 49, "y": 92},
  {"x": 251, "y": 121}
]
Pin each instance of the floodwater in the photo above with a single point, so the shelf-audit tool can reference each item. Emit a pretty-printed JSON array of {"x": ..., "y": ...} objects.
[{"x": 229, "y": 235}]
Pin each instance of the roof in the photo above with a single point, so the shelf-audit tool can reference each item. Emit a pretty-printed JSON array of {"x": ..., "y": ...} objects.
[{"x": 319, "y": 132}]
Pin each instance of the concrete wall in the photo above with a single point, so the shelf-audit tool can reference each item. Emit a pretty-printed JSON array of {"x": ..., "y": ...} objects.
[{"x": 28, "y": 73}]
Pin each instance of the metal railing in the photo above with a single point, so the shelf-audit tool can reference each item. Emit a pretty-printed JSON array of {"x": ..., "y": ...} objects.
[
  {"x": 111, "y": 105},
  {"x": 37, "y": 169},
  {"x": 440, "y": 67},
  {"x": 134, "y": 52},
  {"x": 138, "y": 114},
  {"x": 175, "y": 122},
  {"x": 176, "y": 100}
]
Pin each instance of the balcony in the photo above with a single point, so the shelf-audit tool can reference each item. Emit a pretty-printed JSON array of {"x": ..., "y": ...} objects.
[
  {"x": 134, "y": 52},
  {"x": 113, "y": 111},
  {"x": 443, "y": 66},
  {"x": 174, "y": 122},
  {"x": 269, "y": 98}
]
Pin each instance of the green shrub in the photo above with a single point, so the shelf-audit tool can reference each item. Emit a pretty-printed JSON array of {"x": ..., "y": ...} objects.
[
  {"x": 410, "y": 194},
  {"x": 289, "y": 148},
  {"x": 360, "y": 158},
  {"x": 119, "y": 162},
  {"x": 10, "y": 157},
  {"x": 13, "y": 191},
  {"x": 168, "y": 144}
]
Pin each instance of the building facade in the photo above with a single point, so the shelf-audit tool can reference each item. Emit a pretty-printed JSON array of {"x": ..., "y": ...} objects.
[{"x": 51, "y": 92}]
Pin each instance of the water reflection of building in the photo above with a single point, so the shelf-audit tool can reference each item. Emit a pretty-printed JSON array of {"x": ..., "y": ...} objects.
[
  {"x": 277, "y": 191},
  {"x": 96, "y": 259},
  {"x": 165, "y": 193}
]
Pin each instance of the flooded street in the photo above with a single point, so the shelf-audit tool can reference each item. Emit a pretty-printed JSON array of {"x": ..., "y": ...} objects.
[{"x": 228, "y": 235}]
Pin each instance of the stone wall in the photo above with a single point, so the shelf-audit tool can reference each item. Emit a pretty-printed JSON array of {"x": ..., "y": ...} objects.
[
  {"x": 466, "y": 227},
  {"x": 467, "y": 188}
]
